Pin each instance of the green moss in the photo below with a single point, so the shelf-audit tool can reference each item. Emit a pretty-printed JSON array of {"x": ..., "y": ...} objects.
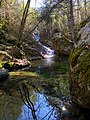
[
  {"x": 8, "y": 62},
  {"x": 23, "y": 73},
  {"x": 86, "y": 60},
  {"x": 80, "y": 78},
  {"x": 5, "y": 58},
  {"x": 2, "y": 24},
  {"x": 74, "y": 55},
  {"x": 6, "y": 54},
  {"x": 0, "y": 64},
  {"x": 22, "y": 76}
]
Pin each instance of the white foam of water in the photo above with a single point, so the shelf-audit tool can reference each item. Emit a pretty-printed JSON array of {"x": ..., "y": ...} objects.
[{"x": 49, "y": 52}]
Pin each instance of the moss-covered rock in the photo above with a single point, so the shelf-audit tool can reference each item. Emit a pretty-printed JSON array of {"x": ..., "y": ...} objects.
[
  {"x": 80, "y": 70},
  {"x": 4, "y": 56},
  {"x": 14, "y": 51},
  {"x": 61, "y": 45}
]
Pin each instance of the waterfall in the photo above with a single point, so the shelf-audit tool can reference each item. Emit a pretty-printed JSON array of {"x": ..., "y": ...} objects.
[{"x": 46, "y": 52}]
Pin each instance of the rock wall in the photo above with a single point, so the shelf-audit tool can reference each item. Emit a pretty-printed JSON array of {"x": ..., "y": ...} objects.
[{"x": 80, "y": 69}]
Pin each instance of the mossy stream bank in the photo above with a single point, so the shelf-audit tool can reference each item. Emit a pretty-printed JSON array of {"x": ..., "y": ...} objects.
[{"x": 46, "y": 86}]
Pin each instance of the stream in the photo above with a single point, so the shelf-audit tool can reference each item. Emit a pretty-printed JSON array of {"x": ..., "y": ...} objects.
[
  {"x": 45, "y": 51},
  {"x": 39, "y": 92},
  {"x": 48, "y": 92}
]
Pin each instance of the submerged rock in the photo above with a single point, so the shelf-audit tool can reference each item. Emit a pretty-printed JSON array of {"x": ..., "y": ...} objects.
[
  {"x": 3, "y": 75},
  {"x": 80, "y": 69}
]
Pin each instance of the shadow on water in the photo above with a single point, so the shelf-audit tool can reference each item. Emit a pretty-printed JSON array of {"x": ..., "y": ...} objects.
[{"x": 43, "y": 98}]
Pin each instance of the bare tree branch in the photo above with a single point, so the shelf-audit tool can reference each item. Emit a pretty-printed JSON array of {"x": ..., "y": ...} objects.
[
  {"x": 30, "y": 103},
  {"x": 25, "y": 13},
  {"x": 43, "y": 18}
]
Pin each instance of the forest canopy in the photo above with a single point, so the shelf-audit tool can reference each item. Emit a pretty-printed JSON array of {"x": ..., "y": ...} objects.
[{"x": 18, "y": 20}]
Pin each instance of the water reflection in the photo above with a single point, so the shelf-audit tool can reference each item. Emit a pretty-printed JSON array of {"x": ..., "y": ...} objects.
[
  {"x": 49, "y": 61},
  {"x": 44, "y": 62},
  {"x": 10, "y": 107},
  {"x": 13, "y": 107},
  {"x": 43, "y": 110},
  {"x": 52, "y": 84}
]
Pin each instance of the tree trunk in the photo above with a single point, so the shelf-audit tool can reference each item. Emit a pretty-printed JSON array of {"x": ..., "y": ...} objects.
[
  {"x": 78, "y": 11},
  {"x": 71, "y": 21},
  {"x": 0, "y": 3},
  {"x": 25, "y": 13},
  {"x": 85, "y": 9}
]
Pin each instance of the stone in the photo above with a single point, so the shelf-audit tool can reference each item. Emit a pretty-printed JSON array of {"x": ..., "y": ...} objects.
[
  {"x": 84, "y": 36},
  {"x": 19, "y": 64},
  {"x": 3, "y": 75},
  {"x": 80, "y": 69},
  {"x": 61, "y": 45}
]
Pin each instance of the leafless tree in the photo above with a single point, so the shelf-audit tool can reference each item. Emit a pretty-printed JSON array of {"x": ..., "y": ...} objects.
[{"x": 25, "y": 13}]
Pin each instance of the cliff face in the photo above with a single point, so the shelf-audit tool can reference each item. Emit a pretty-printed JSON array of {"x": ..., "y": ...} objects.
[{"x": 80, "y": 69}]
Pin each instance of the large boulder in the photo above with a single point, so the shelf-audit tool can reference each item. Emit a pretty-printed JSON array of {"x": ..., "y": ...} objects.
[
  {"x": 80, "y": 69},
  {"x": 61, "y": 44},
  {"x": 32, "y": 52},
  {"x": 19, "y": 64}
]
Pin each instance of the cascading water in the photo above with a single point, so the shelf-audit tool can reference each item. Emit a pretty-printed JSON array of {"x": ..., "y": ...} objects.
[{"x": 46, "y": 52}]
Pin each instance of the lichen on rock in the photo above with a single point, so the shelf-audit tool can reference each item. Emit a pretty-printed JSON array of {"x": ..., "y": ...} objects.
[{"x": 80, "y": 69}]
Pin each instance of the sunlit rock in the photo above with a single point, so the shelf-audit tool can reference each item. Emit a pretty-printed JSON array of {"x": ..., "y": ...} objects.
[
  {"x": 19, "y": 64},
  {"x": 84, "y": 36},
  {"x": 80, "y": 69}
]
